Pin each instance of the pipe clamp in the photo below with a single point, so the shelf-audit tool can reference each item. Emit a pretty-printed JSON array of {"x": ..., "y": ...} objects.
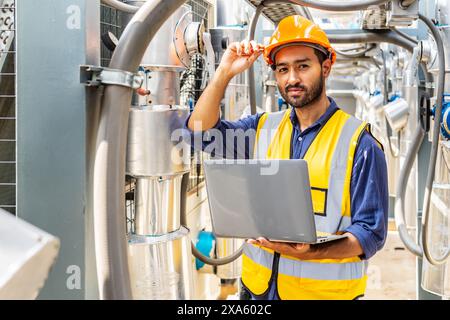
[{"x": 94, "y": 76}]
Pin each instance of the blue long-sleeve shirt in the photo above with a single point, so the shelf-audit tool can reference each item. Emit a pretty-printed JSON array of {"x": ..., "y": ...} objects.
[{"x": 368, "y": 186}]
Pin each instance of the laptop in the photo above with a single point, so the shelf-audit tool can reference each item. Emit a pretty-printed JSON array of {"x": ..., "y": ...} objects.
[{"x": 262, "y": 198}]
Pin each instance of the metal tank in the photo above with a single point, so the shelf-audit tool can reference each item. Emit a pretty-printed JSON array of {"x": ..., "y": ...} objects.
[
  {"x": 158, "y": 163},
  {"x": 436, "y": 279},
  {"x": 160, "y": 266},
  {"x": 161, "y": 64},
  {"x": 159, "y": 248}
]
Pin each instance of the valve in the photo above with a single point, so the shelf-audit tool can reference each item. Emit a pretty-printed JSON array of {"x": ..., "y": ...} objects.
[{"x": 445, "y": 122}]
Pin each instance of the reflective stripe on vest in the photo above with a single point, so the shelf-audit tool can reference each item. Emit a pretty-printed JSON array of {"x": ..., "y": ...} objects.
[
  {"x": 330, "y": 161},
  {"x": 352, "y": 269}
]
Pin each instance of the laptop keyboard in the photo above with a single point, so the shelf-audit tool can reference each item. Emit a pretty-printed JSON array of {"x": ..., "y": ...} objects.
[{"x": 322, "y": 234}]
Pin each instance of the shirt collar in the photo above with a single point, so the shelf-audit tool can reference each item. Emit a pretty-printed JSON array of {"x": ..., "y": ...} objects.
[{"x": 321, "y": 121}]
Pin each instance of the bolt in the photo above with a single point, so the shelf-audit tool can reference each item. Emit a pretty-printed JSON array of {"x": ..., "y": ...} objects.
[{"x": 143, "y": 92}]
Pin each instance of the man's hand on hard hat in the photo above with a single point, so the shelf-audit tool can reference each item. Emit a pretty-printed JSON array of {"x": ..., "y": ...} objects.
[
  {"x": 238, "y": 57},
  {"x": 298, "y": 250}
]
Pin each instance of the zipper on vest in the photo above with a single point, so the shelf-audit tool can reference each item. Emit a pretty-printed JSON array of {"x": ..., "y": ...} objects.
[{"x": 275, "y": 264}]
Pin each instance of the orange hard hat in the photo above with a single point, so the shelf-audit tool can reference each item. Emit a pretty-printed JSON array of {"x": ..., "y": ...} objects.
[{"x": 297, "y": 30}]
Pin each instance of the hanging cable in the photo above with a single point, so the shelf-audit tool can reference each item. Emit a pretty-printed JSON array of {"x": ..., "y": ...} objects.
[
  {"x": 404, "y": 35},
  {"x": 407, "y": 3},
  {"x": 360, "y": 53},
  {"x": 399, "y": 210},
  {"x": 434, "y": 146},
  {"x": 216, "y": 262}
]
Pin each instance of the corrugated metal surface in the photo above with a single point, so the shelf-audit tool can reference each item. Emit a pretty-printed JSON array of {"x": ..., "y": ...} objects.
[
  {"x": 277, "y": 11},
  {"x": 7, "y": 106}
]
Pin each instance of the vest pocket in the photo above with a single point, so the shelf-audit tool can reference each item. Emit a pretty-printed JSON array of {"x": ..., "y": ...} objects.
[{"x": 319, "y": 200}]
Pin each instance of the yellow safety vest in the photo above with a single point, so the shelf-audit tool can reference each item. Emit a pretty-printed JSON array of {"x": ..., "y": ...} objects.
[{"x": 330, "y": 163}]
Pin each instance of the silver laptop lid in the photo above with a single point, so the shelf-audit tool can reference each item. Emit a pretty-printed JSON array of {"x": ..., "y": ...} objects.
[{"x": 261, "y": 198}]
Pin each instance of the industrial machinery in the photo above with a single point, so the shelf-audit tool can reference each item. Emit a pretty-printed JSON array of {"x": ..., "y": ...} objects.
[
  {"x": 159, "y": 251},
  {"x": 94, "y": 150}
]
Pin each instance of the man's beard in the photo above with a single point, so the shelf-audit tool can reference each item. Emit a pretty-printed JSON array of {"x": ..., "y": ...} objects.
[{"x": 308, "y": 96}]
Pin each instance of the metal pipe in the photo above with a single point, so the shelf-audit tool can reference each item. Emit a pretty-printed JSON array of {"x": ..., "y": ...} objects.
[
  {"x": 385, "y": 79},
  {"x": 359, "y": 59},
  {"x": 339, "y": 6},
  {"x": 109, "y": 168},
  {"x": 345, "y": 67},
  {"x": 428, "y": 77},
  {"x": 386, "y": 100},
  {"x": 406, "y": 3},
  {"x": 399, "y": 210},
  {"x": 404, "y": 35},
  {"x": 360, "y": 53},
  {"x": 375, "y": 62},
  {"x": 119, "y": 5},
  {"x": 306, "y": 13},
  {"x": 251, "y": 70},
  {"x": 352, "y": 49},
  {"x": 410, "y": 244},
  {"x": 363, "y": 36},
  {"x": 434, "y": 145}
]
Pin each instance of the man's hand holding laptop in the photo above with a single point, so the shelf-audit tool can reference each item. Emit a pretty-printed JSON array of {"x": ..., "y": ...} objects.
[{"x": 297, "y": 250}]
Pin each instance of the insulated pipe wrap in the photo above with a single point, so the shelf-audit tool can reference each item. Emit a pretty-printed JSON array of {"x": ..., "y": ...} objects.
[{"x": 109, "y": 167}]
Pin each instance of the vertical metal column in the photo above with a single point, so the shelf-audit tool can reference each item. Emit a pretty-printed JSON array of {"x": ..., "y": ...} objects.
[{"x": 56, "y": 115}]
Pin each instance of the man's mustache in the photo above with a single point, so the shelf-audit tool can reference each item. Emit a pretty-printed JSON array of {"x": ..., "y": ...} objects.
[{"x": 295, "y": 86}]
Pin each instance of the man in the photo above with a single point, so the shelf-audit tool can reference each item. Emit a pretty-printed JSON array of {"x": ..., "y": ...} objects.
[{"x": 346, "y": 165}]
